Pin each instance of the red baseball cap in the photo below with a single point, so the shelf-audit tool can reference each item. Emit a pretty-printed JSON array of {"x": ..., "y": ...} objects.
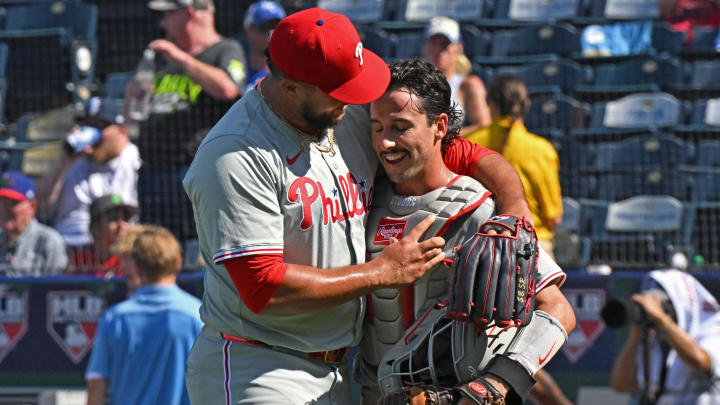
[{"x": 322, "y": 48}]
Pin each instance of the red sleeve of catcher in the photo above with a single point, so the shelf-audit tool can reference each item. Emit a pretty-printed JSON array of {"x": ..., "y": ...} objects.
[
  {"x": 461, "y": 156},
  {"x": 256, "y": 278}
]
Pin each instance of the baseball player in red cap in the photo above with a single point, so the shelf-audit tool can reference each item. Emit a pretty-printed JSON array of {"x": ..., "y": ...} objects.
[{"x": 281, "y": 203}]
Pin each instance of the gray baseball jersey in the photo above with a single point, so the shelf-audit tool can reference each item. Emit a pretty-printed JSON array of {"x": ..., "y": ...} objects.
[
  {"x": 464, "y": 202},
  {"x": 254, "y": 191}
]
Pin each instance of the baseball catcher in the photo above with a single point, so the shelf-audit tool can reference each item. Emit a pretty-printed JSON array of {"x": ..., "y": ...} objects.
[{"x": 475, "y": 329}]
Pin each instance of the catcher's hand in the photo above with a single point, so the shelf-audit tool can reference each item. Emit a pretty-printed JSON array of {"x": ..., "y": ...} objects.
[
  {"x": 481, "y": 392},
  {"x": 493, "y": 275},
  {"x": 419, "y": 394}
]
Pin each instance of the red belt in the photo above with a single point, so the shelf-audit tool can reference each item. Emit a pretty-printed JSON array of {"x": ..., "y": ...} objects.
[{"x": 330, "y": 356}]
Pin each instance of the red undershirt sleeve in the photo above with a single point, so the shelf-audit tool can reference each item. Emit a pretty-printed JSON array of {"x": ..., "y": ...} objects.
[
  {"x": 257, "y": 278},
  {"x": 461, "y": 156}
]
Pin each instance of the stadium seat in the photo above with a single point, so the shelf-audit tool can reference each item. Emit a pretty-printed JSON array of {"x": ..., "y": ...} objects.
[
  {"x": 704, "y": 121},
  {"x": 548, "y": 77},
  {"x": 708, "y": 153},
  {"x": 424, "y": 10},
  {"x": 359, "y": 12},
  {"x": 665, "y": 39},
  {"x": 648, "y": 74},
  {"x": 703, "y": 44},
  {"x": 80, "y": 19},
  {"x": 625, "y": 9},
  {"x": 624, "y": 183},
  {"x": 532, "y": 44},
  {"x": 704, "y": 81},
  {"x": 536, "y": 10},
  {"x": 475, "y": 42},
  {"x": 642, "y": 111},
  {"x": 408, "y": 45},
  {"x": 657, "y": 149},
  {"x": 555, "y": 111},
  {"x": 380, "y": 42},
  {"x": 64, "y": 66},
  {"x": 569, "y": 246},
  {"x": 638, "y": 233},
  {"x": 707, "y": 182}
]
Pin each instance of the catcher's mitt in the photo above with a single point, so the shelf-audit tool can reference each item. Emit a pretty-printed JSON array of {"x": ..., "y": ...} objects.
[
  {"x": 493, "y": 276},
  {"x": 419, "y": 394}
]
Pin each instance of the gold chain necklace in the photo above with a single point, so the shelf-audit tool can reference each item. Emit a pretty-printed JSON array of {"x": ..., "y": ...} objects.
[{"x": 305, "y": 137}]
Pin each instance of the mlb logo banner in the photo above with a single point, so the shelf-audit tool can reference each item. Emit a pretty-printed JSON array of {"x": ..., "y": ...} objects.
[
  {"x": 389, "y": 228},
  {"x": 587, "y": 304},
  {"x": 13, "y": 319},
  {"x": 72, "y": 318}
]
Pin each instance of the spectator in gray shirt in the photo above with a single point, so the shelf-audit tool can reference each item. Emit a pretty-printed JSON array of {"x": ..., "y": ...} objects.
[{"x": 27, "y": 248}]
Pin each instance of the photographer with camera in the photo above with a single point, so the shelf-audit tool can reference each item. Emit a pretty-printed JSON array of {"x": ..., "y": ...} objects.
[{"x": 672, "y": 354}]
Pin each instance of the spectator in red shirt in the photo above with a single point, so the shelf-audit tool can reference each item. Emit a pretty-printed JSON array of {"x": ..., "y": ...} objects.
[{"x": 685, "y": 15}]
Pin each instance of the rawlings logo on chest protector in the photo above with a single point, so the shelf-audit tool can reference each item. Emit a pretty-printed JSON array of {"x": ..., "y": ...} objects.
[{"x": 389, "y": 228}]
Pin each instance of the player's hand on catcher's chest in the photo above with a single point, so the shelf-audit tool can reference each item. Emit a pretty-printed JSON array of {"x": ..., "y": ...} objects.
[{"x": 406, "y": 260}]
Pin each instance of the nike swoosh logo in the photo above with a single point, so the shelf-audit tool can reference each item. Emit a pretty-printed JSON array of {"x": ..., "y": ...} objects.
[
  {"x": 293, "y": 159},
  {"x": 542, "y": 360}
]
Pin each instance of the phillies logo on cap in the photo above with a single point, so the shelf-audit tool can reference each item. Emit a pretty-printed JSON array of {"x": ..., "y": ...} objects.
[
  {"x": 13, "y": 319},
  {"x": 72, "y": 318},
  {"x": 358, "y": 52},
  {"x": 389, "y": 228}
]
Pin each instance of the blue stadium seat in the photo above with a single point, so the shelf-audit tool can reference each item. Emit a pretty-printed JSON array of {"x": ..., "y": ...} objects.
[
  {"x": 65, "y": 66},
  {"x": 536, "y": 10},
  {"x": 569, "y": 246},
  {"x": 638, "y": 233},
  {"x": 704, "y": 121},
  {"x": 636, "y": 75},
  {"x": 703, "y": 44},
  {"x": 578, "y": 184},
  {"x": 78, "y": 18},
  {"x": 532, "y": 44},
  {"x": 707, "y": 182},
  {"x": 658, "y": 149},
  {"x": 708, "y": 153},
  {"x": 621, "y": 184},
  {"x": 424, "y": 10},
  {"x": 408, "y": 45},
  {"x": 555, "y": 111},
  {"x": 380, "y": 42},
  {"x": 665, "y": 39},
  {"x": 624, "y": 9},
  {"x": 703, "y": 81},
  {"x": 643, "y": 111},
  {"x": 548, "y": 77},
  {"x": 475, "y": 42},
  {"x": 367, "y": 11}
]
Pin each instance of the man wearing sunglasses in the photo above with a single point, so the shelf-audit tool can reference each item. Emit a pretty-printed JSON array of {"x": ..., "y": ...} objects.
[{"x": 99, "y": 159}]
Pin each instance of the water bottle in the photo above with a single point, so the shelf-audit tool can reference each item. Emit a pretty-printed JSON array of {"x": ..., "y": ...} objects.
[{"x": 139, "y": 106}]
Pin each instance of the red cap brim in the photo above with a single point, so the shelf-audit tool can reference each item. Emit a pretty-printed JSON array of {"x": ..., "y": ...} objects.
[
  {"x": 368, "y": 85},
  {"x": 12, "y": 194}
]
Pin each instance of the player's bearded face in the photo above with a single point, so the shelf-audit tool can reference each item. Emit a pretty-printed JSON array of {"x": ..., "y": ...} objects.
[{"x": 321, "y": 111}]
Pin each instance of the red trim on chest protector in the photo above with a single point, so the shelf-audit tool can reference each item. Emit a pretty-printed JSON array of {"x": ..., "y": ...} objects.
[
  {"x": 467, "y": 209},
  {"x": 256, "y": 278}
]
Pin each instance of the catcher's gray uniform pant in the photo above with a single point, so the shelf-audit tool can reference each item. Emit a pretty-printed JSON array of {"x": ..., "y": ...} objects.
[{"x": 224, "y": 372}]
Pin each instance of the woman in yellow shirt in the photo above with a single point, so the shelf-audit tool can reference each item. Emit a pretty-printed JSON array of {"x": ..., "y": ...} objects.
[{"x": 533, "y": 157}]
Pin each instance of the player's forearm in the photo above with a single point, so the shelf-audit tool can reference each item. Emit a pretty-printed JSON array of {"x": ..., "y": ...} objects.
[
  {"x": 623, "y": 376},
  {"x": 307, "y": 289},
  {"x": 552, "y": 301},
  {"x": 686, "y": 347},
  {"x": 96, "y": 389},
  {"x": 213, "y": 80},
  {"x": 501, "y": 178}
]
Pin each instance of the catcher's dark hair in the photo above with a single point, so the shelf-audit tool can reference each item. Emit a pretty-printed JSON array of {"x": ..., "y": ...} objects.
[
  {"x": 429, "y": 84},
  {"x": 510, "y": 94}
]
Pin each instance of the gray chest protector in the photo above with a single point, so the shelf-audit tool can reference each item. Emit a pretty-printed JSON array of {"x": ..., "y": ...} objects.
[{"x": 461, "y": 207}]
